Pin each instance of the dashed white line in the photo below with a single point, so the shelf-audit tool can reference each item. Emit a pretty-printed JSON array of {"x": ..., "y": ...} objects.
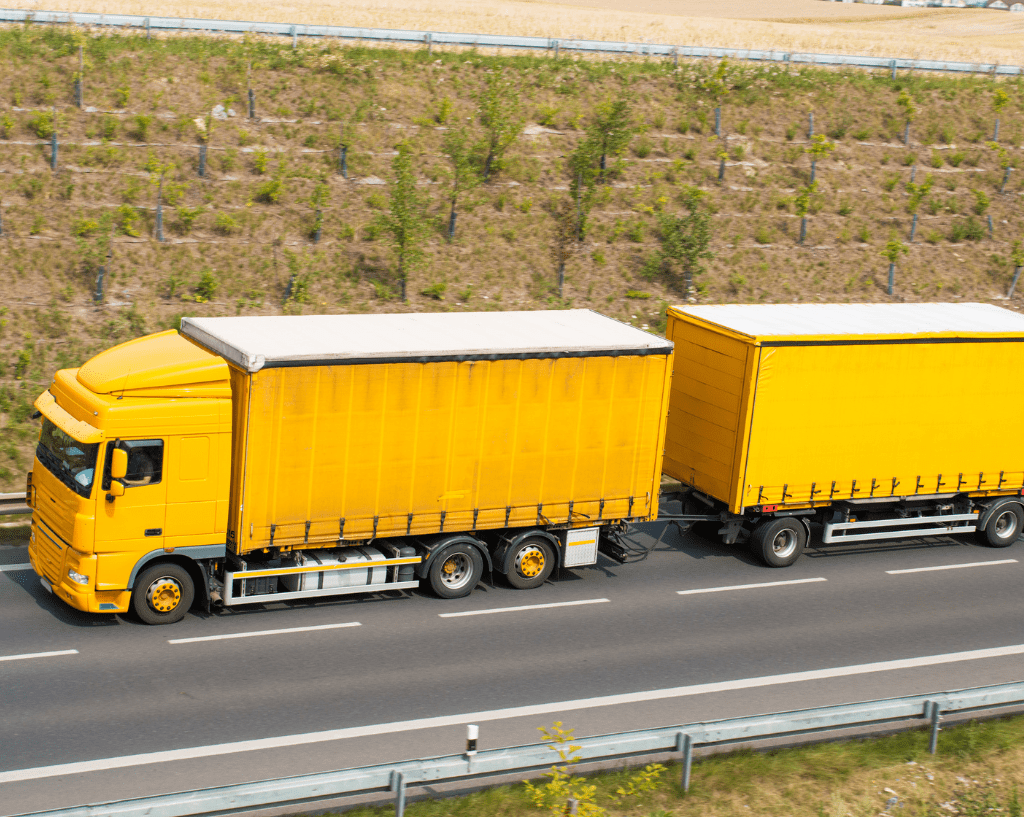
[
  {"x": 748, "y": 586},
  {"x": 532, "y": 711},
  {"x": 951, "y": 567},
  {"x": 26, "y": 655},
  {"x": 524, "y": 607},
  {"x": 256, "y": 633},
  {"x": 13, "y": 568}
]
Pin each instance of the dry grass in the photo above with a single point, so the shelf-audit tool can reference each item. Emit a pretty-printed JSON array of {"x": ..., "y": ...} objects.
[{"x": 794, "y": 25}]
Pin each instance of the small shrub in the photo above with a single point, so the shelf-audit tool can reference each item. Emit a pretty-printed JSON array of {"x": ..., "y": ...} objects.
[
  {"x": 244, "y": 137},
  {"x": 206, "y": 288},
  {"x": 956, "y": 158},
  {"x": 41, "y": 124},
  {"x": 947, "y": 134},
  {"x": 127, "y": 220},
  {"x": 635, "y": 232},
  {"x": 981, "y": 202},
  {"x": 937, "y": 160},
  {"x": 791, "y": 132},
  {"x": 225, "y": 224},
  {"x": 187, "y": 217},
  {"x": 435, "y": 291},
  {"x": 6, "y": 126},
  {"x": 259, "y": 161},
  {"x": 890, "y": 182},
  {"x": 142, "y": 123},
  {"x": 546, "y": 115},
  {"x": 597, "y": 256},
  {"x": 37, "y": 225},
  {"x": 108, "y": 127},
  {"x": 933, "y": 237},
  {"x": 861, "y": 134},
  {"x": 269, "y": 192},
  {"x": 845, "y": 209},
  {"x": 637, "y": 295},
  {"x": 969, "y": 229},
  {"x": 83, "y": 227},
  {"x": 864, "y": 234},
  {"x": 121, "y": 96},
  {"x": 763, "y": 235},
  {"x": 909, "y": 159},
  {"x": 738, "y": 152},
  {"x": 642, "y": 148}
]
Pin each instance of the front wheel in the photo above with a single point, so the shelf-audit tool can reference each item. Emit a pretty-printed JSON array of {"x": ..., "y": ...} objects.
[
  {"x": 162, "y": 594},
  {"x": 1004, "y": 527},
  {"x": 779, "y": 542},
  {"x": 455, "y": 571}
]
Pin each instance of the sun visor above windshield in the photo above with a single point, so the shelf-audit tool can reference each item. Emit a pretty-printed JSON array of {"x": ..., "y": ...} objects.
[{"x": 79, "y": 429}]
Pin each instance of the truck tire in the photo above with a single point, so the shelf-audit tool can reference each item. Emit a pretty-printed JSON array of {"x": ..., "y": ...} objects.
[
  {"x": 162, "y": 594},
  {"x": 779, "y": 542},
  {"x": 455, "y": 571},
  {"x": 530, "y": 563},
  {"x": 1004, "y": 526}
]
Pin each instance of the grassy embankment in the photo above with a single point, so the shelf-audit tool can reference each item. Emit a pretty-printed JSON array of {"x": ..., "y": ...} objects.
[
  {"x": 979, "y": 770},
  {"x": 240, "y": 240}
]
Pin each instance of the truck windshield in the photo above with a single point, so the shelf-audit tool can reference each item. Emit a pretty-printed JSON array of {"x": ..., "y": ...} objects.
[{"x": 72, "y": 462}]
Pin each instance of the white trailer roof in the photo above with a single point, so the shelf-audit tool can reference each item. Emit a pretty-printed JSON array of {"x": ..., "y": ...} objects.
[
  {"x": 307, "y": 340},
  {"x": 887, "y": 320}
]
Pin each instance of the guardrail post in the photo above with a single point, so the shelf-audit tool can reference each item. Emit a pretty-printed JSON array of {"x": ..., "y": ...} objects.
[
  {"x": 718, "y": 121},
  {"x": 1006, "y": 178},
  {"x": 148, "y": 35},
  {"x": 931, "y": 711},
  {"x": 398, "y": 787},
  {"x": 675, "y": 56},
  {"x": 295, "y": 37},
  {"x": 892, "y": 65},
  {"x": 430, "y": 43},
  {"x": 556, "y": 49},
  {"x": 202, "y": 160},
  {"x": 684, "y": 745}
]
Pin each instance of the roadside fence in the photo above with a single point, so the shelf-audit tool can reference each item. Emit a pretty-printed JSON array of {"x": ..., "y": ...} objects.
[
  {"x": 473, "y": 764},
  {"x": 553, "y": 46}
]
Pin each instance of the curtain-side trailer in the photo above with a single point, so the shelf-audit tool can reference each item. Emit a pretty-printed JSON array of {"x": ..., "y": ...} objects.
[
  {"x": 875, "y": 421},
  {"x": 258, "y": 459}
]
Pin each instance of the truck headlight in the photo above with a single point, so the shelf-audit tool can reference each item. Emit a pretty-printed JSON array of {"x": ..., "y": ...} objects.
[{"x": 77, "y": 578}]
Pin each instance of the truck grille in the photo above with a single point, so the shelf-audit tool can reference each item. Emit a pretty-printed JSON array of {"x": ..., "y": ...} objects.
[{"x": 49, "y": 552}]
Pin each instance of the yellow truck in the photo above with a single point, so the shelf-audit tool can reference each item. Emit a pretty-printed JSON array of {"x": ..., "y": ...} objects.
[
  {"x": 260, "y": 459},
  {"x": 872, "y": 421}
]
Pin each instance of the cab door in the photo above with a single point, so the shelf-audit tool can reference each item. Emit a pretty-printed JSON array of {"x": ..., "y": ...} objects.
[{"x": 134, "y": 521}]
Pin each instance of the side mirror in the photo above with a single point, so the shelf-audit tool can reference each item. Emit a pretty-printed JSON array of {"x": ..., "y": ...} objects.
[
  {"x": 119, "y": 465},
  {"x": 116, "y": 488}
]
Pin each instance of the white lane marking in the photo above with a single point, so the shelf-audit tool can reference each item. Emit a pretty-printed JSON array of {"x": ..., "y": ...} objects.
[
  {"x": 747, "y": 586},
  {"x": 532, "y": 711},
  {"x": 524, "y": 607},
  {"x": 951, "y": 567},
  {"x": 51, "y": 654},
  {"x": 13, "y": 568},
  {"x": 255, "y": 633}
]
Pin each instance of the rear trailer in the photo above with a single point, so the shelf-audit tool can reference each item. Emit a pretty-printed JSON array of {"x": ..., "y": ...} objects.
[
  {"x": 373, "y": 451},
  {"x": 876, "y": 421}
]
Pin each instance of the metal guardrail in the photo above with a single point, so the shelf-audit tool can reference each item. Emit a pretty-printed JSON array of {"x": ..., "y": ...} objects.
[
  {"x": 11, "y": 504},
  {"x": 397, "y": 777},
  {"x": 548, "y": 44}
]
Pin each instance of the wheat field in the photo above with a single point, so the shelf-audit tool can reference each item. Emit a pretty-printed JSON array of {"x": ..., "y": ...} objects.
[{"x": 972, "y": 35}]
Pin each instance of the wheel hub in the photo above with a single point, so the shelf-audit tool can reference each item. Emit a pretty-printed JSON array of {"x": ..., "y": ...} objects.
[
  {"x": 530, "y": 561},
  {"x": 784, "y": 543},
  {"x": 164, "y": 595},
  {"x": 456, "y": 570}
]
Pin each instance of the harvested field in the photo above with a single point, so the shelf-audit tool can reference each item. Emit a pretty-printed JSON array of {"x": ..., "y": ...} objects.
[{"x": 972, "y": 35}]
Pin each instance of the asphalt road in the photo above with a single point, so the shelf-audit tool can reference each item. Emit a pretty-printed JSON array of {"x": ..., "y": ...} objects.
[{"x": 403, "y": 676}]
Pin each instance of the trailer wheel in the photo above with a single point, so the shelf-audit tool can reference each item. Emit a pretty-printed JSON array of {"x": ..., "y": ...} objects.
[
  {"x": 531, "y": 563},
  {"x": 779, "y": 542},
  {"x": 455, "y": 571},
  {"x": 162, "y": 594},
  {"x": 1004, "y": 527}
]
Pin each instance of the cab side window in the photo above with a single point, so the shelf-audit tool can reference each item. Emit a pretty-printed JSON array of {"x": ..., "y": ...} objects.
[{"x": 145, "y": 463}]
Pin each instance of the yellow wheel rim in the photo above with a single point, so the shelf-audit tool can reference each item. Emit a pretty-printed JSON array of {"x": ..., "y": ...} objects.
[
  {"x": 449, "y": 566},
  {"x": 531, "y": 562},
  {"x": 164, "y": 595}
]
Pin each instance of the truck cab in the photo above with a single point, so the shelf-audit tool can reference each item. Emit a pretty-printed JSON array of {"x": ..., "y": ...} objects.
[{"x": 129, "y": 486}]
